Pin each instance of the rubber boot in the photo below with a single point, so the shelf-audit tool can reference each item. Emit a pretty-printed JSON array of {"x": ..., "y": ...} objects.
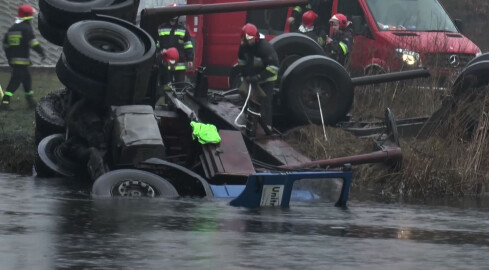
[
  {"x": 30, "y": 101},
  {"x": 252, "y": 118}
]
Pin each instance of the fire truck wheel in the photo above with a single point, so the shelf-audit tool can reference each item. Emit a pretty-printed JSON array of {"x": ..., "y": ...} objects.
[
  {"x": 473, "y": 76},
  {"x": 50, "y": 31},
  {"x": 480, "y": 58},
  {"x": 87, "y": 87},
  {"x": 313, "y": 76},
  {"x": 91, "y": 45},
  {"x": 132, "y": 183},
  {"x": 292, "y": 46},
  {"x": 49, "y": 115},
  {"x": 67, "y": 12}
]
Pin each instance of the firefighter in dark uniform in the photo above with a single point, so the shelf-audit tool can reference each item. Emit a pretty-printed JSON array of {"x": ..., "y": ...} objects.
[
  {"x": 307, "y": 27},
  {"x": 294, "y": 20},
  {"x": 258, "y": 64},
  {"x": 174, "y": 34},
  {"x": 17, "y": 43},
  {"x": 340, "y": 44}
]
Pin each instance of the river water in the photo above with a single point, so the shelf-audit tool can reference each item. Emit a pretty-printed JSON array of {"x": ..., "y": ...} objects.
[{"x": 54, "y": 224}]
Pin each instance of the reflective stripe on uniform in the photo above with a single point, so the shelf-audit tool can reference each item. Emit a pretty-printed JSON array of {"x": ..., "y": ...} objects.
[
  {"x": 33, "y": 43},
  {"x": 30, "y": 93},
  {"x": 274, "y": 70},
  {"x": 298, "y": 9},
  {"x": 344, "y": 47},
  {"x": 188, "y": 45},
  {"x": 179, "y": 33},
  {"x": 13, "y": 38},
  {"x": 9, "y": 94},
  {"x": 20, "y": 61},
  {"x": 178, "y": 66},
  {"x": 164, "y": 31},
  {"x": 241, "y": 62}
]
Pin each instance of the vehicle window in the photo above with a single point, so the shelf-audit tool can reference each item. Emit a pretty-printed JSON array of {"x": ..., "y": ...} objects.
[
  {"x": 351, "y": 8},
  {"x": 416, "y": 15},
  {"x": 268, "y": 21}
]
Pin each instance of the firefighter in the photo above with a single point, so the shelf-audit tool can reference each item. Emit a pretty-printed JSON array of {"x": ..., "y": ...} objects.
[
  {"x": 17, "y": 43},
  {"x": 308, "y": 29},
  {"x": 258, "y": 64},
  {"x": 294, "y": 20},
  {"x": 340, "y": 44},
  {"x": 174, "y": 34}
]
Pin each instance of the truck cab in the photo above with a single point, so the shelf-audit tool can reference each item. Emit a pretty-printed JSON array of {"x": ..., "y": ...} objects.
[{"x": 389, "y": 36}]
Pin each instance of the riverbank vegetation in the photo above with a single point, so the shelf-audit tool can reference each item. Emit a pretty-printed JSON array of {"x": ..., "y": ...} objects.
[{"x": 452, "y": 161}]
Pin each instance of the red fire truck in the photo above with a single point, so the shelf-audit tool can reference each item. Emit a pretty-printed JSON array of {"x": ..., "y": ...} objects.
[{"x": 389, "y": 35}]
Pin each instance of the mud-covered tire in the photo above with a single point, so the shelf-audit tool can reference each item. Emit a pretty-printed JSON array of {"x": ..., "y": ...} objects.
[
  {"x": 67, "y": 12},
  {"x": 85, "y": 86},
  {"x": 113, "y": 184},
  {"x": 317, "y": 74},
  {"x": 49, "y": 114},
  {"x": 51, "y": 152},
  {"x": 50, "y": 31},
  {"x": 41, "y": 169},
  {"x": 473, "y": 76},
  {"x": 293, "y": 46},
  {"x": 91, "y": 45}
]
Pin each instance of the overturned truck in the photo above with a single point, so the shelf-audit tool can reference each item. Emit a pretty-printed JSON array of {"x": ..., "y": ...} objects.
[{"x": 105, "y": 126}]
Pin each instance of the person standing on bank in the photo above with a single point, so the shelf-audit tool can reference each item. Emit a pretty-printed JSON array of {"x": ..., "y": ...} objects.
[
  {"x": 17, "y": 43},
  {"x": 173, "y": 34},
  {"x": 258, "y": 64}
]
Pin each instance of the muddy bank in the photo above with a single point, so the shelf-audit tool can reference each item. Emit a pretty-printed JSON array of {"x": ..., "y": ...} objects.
[{"x": 17, "y": 153}]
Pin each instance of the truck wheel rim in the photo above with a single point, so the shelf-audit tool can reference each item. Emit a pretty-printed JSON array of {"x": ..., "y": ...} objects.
[{"x": 134, "y": 188}]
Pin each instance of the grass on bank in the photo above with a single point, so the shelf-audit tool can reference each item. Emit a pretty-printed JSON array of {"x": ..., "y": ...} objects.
[
  {"x": 17, "y": 126},
  {"x": 454, "y": 161}
]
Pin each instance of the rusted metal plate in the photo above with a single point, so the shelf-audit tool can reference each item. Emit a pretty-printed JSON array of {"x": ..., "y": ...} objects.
[{"x": 230, "y": 156}]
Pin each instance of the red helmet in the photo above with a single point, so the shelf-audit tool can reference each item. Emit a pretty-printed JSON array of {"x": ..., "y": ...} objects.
[
  {"x": 170, "y": 55},
  {"x": 250, "y": 31},
  {"x": 340, "y": 19},
  {"x": 25, "y": 11},
  {"x": 309, "y": 18}
]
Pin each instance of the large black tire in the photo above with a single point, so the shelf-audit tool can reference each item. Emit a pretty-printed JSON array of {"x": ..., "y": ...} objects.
[
  {"x": 49, "y": 115},
  {"x": 292, "y": 46},
  {"x": 480, "y": 58},
  {"x": 67, "y": 12},
  {"x": 41, "y": 169},
  {"x": 185, "y": 181},
  {"x": 317, "y": 74},
  {"x": 50, "y": 31},
  {"x": 91, "y": 45},
  {"x": 51, "y": 152},
  {"x": 85, "y": 86},
  {"x": 132, "y": 183},
  {"x": 123, "y": 9},
  {"x": 473, "y": 76}
]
